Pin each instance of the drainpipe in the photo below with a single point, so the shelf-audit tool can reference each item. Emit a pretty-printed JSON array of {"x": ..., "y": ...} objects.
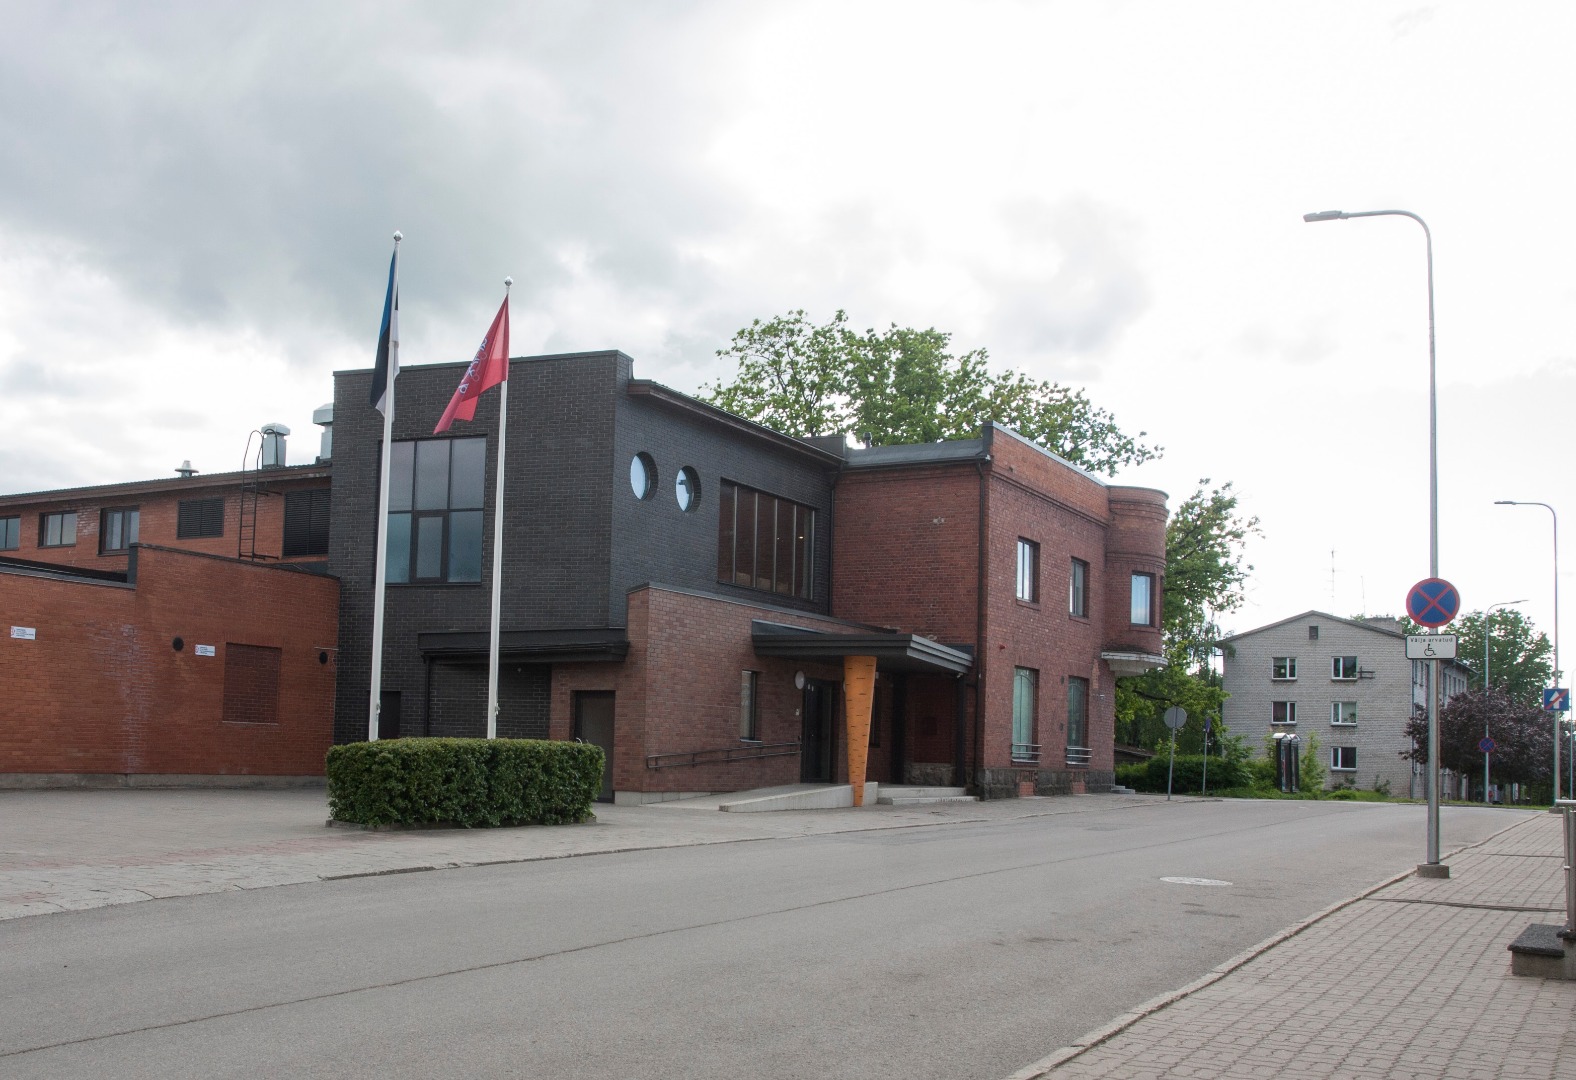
[{"x": 979, "y": 616}]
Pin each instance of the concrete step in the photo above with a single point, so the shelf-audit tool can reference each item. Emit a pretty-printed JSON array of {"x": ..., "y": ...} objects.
[
  {"x": 1118, "y": 789},
  {"x": 895, "y": 795}
]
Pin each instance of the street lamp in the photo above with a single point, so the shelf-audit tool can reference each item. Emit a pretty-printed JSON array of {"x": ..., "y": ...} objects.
[
  {"x": 1556, "y": 517},
  {"x": 1434, "y": 868},
  {"x": 1486, "y": 616}
]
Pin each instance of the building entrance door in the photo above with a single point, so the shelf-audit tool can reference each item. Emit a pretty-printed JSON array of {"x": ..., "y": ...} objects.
[
  {"x": 594, "y": 724},
  {"x": 818, "y": 737}
]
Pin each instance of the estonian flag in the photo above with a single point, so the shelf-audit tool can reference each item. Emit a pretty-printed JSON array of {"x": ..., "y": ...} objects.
[{"x": 387, "y": 365}]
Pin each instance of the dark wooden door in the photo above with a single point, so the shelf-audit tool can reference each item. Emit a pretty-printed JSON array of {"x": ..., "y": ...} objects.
[
  {"x": 818, "y": 737},
  {"x": 594, "y": 724}
]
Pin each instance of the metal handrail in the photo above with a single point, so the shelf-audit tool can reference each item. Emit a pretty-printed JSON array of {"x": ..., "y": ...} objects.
[
  {"x": 1079, "y": 755},
  {"x": 721, "y": 755},
  {"x": 1026, "y": 751}
]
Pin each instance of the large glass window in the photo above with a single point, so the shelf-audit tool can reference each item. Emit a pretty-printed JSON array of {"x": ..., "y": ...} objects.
[
  {"x": 58, "y": 530},
  {"x": 1078, "y": 590},
  {"x": 1025, "y": 682},
  {"x": 1283, "y": 667},
  {"x": 1143, "y": 613},
  {"x": 764, "y": 542},
  {"x": 1028, "y": 571},
  {"x": 1343, "y": 667},
  {"x": 117, "y": 530},
  {"x": 10, "y": 533},
  {"x": 436, "y": 489},
  {"x": 1078, "y": 752}
]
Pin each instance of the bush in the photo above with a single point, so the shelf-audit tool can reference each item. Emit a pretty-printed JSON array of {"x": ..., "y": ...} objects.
[
  {"x": 466, "y": 782},
  {"x": 1151, "y": 775}
]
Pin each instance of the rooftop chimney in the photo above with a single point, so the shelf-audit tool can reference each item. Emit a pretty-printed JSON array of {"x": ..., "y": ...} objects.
[
  {"x": 274, "y": 445},
  {"x": 185, "y": 470}
]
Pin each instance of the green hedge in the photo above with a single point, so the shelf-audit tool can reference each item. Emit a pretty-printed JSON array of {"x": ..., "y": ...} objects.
[
  {"x": 468, "y": 782},
  {"x": 1151, "y": 775}
]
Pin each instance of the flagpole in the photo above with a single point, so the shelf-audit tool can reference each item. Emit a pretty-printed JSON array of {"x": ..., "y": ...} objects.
[
  {"x": 497, "y": 567},
  {"x": 375, "y": 693}
]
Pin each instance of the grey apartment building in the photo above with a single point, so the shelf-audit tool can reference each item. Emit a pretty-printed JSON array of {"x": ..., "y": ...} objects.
[{"x": 1343, "y": 683}]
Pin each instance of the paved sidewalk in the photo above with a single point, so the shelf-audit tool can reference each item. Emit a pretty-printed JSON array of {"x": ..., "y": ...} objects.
[
  {"x": 67, "y": 850},
  {"x": 1409, "y": 980}
]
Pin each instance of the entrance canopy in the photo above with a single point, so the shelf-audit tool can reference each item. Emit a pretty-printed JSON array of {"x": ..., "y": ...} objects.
[
  {"x": 893, "y": 652},
  {"x": 609, "y": 643}
]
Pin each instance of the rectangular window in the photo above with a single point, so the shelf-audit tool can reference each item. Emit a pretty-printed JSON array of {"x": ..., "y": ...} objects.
[
  {"x": 749, "y": 718},
  {"x": 10, "y": 533},
  {"x": 1343, "y": 667},
  {"x": 764, "y": 542},
  {"x": 1283, "y": 667},
  {"x": 1078, "y": 752},
  {"x": 306, "y": 522},
  {"x": 1028, "y": 571},
  {"x": 1025, "y": 683},
  {"x": 1078, "y": 590},
  {"x": 251, "y": 684},
  {"x": 1343, "y": 713},
  {"x": 117, "y": 531},
  {"x": 57, "y": 530},
  {"x": 199, "y": 518},
  {"x": 1283, "y": 712},
  {"x": 1313, "y": 633},
  {"x": 1143, "y": 608},
  {"x": 436, "y": 489},
  {"x": 1343, "y": 759}
]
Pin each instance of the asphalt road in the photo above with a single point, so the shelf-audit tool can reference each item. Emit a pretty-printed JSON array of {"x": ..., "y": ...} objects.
[{"x": 950, "y": 951}]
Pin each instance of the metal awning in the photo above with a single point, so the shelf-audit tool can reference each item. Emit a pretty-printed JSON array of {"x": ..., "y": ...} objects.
[
  {"x": 893, "y": 652},
  {"x": 1125, "y": 662},
  {"x": 586, "y": 645}
]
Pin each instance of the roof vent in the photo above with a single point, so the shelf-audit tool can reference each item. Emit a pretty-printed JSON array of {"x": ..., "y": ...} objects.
[
  {"x": 323, "y": 416},
  {"x": 185, "y": 470},
  {"x": 274, "y": 445}
]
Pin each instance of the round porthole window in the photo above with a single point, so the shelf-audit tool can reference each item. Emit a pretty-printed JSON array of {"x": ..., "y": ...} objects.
[
  {"x": 686, "y": 488},
  {"x": 642, "y": 475}
]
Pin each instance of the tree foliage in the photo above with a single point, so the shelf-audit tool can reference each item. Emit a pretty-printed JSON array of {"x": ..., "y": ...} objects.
[
  {"x": 902, "y": 385},
  {"x": 1522, "y": 734},
  {"x": 1206, "y": 573}
]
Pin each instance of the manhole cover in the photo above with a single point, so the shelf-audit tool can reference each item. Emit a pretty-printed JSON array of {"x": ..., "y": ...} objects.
[{"x": 1194, "y": 881}]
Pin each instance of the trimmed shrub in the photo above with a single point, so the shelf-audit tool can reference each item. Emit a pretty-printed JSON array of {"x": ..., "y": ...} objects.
[
  {"x": 1189, "y": 775},
  {"x": 468, "y": 782}
]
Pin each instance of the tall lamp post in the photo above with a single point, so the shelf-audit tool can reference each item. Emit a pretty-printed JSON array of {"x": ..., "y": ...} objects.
[
  {"x": 1433, "y": 867},
  {"x": 1486, "y": 616},
  {"x": 1556, "y": 517}
]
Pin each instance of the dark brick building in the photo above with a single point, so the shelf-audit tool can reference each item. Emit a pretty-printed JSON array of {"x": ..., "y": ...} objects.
[{"x": 685, "y": 588}]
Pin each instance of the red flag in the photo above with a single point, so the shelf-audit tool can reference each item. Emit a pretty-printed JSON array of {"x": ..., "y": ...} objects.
[{"x": 490, "y": 368}]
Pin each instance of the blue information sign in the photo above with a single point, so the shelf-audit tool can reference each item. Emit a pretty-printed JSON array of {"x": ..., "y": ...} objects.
[
  {"x": 1433, "y": 602},
  {"x": 1556, "y": 699}
]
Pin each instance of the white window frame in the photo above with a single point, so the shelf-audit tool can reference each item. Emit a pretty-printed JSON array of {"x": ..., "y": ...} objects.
[
  {"x": 1291, "y": 714},
  {"x": 1336, "y": 667},
  {"x": 1290, "y": 668},
  {"x": 1337, "y": 753},
  {"x": 1337, "y": 714},
  {"x": 1028, "y": 584},
  {"x": 1078, "y": 589}
]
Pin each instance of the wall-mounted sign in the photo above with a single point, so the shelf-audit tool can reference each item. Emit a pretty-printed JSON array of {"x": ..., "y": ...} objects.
[
  {"x": 205, "y": 650},
  {"x": 26, "y": 633}
]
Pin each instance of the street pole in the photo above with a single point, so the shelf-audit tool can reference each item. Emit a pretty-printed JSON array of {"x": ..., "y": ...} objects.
[
  {"x": 1554, "y": 779},
  {"x": 1433, "y": 512}
]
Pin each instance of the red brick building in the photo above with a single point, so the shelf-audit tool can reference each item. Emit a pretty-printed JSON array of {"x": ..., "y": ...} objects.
[{"x": 168, "y": 629}]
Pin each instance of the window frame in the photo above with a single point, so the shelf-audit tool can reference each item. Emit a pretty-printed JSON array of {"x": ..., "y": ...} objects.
[
  {"x": 304, "y": 539},
  {"x": 1337, "y": 665},
  {"x": 126, "y": 525},
  {"x": 1288, "y": 712},
  {"x": 60, "y": 516},
  {"x": 1027, "y": 585},
  {"x": 1286, "y": 665},
  {"x": 11, "y": 533},
  {"x": 408, "y": 504},
  {"x": 749, "y": 706},
  {"x": 1078, "y": 589},
  {"x": 1078, "y": 721},
  {"x": 1338, "y": 712},
  {"x": 797, "y": 579},
  {"x": 1340, "y": 753},
  {"x": 1025, "y": 714},
  {"x": 1149, "y": 598}
]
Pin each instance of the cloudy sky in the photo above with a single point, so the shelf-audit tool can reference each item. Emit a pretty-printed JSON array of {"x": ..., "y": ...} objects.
[{"x": 196, "y": 203}]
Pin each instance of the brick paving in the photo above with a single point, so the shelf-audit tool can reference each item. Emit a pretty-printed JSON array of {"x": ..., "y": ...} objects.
[{"x": 1410, "y": 980}]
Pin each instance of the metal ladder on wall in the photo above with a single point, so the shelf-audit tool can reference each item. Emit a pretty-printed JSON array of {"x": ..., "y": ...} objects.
[{"x": 253, "y": 488}]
